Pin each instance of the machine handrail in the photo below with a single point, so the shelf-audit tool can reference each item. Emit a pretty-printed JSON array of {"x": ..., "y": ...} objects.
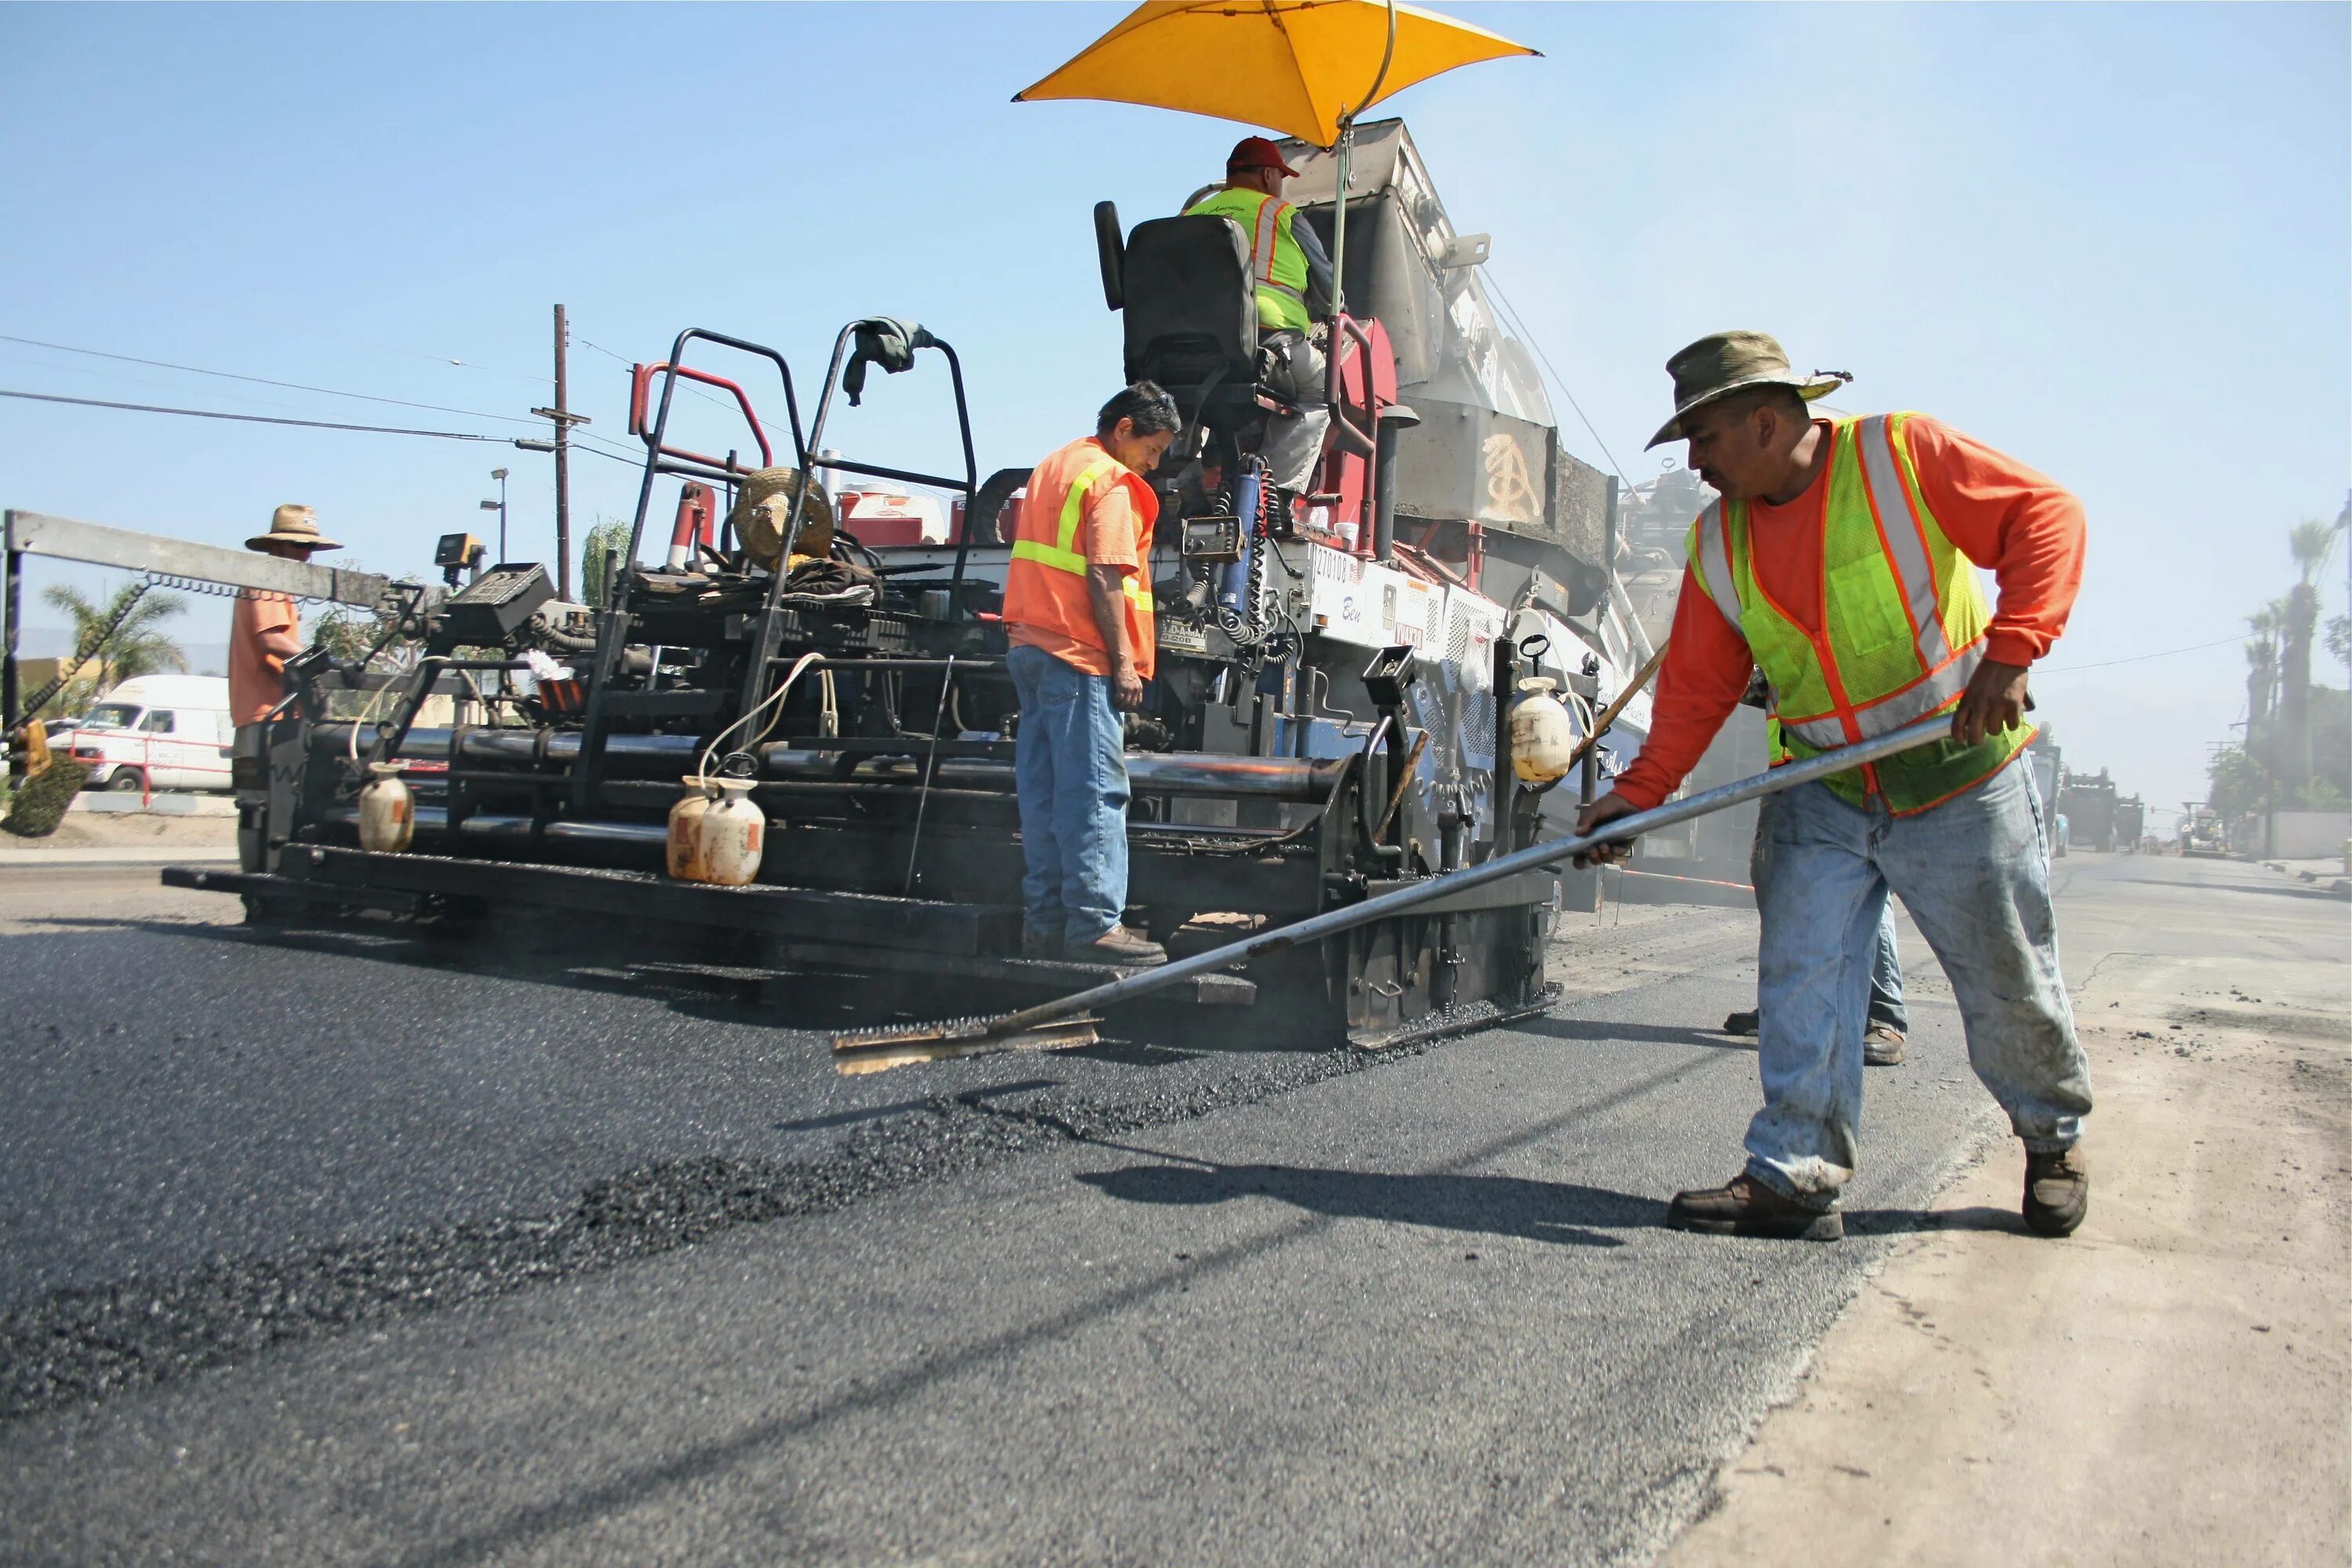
[
  {"x": 613, "y": 633},
  {"x": 969, "y": 484},
  {"x": 641, "y": 375},
  {"x": 1354, "y": 439}
]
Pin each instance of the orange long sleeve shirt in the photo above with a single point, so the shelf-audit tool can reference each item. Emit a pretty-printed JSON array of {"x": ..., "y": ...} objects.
[{"x": 1999, "y": 512}]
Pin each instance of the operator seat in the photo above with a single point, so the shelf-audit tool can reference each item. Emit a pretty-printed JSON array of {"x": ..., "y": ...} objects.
[{"x": 1192, "y": 319}]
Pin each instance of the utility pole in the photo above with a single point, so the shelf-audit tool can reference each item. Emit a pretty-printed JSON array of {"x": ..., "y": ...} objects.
[
  {"x": 562, "y": 460},
  {"x": 564, "y": 419}
]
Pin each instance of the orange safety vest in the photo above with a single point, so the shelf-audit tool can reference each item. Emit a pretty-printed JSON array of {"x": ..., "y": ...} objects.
[{"x": 1046, "y": 585}]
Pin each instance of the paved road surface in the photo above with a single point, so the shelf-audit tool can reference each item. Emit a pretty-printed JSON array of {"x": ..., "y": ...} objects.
[{"x": 345, "y": 1250}]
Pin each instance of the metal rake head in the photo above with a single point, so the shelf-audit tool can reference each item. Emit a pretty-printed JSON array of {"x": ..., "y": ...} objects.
[{"x": 899, "y": 1045}]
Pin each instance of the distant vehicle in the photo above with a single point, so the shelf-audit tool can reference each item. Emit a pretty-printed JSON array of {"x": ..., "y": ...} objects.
[
  {"x": 158, "y": 732},
  {"x": 2201, "y": 833}
]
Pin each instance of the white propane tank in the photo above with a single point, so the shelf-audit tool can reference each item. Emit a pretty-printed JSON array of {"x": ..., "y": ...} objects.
[
  {"x": 1543, "y": 737},
  {"x": 387, "y": 810},
  {"x": 716, "y": 833}
]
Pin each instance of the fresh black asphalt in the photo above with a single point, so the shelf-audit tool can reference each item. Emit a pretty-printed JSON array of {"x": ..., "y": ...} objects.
[{"x": 339, "y": 1248}]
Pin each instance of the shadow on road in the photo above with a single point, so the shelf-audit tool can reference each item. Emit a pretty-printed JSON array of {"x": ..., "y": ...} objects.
[{"x": 1559, "y": 1212}]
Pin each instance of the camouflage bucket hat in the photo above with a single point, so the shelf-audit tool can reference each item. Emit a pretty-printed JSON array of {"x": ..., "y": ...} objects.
[{"x": 1725, "y": 362}]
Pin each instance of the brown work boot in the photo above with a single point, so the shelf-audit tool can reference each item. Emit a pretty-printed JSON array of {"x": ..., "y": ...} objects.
[
  {"x": 1128, "y": 949},
  {"x": 1746, "y": 1207},
  {"x": 1882, "y": 1046},
  {"x": 2057, "y": 1191}
]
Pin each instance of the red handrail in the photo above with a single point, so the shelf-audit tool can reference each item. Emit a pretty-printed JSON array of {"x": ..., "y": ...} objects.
[{"x": 641, "y": 379}]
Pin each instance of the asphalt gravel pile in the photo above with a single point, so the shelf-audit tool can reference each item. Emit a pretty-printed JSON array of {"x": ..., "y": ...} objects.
[{"x": 84, "y": 1344}]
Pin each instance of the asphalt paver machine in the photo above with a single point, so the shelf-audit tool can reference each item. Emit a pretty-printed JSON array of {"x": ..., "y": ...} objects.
[{"x": 1329, "y": 721}]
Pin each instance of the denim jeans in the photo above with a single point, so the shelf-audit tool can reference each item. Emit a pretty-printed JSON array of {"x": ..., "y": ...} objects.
[
  {"x": 1887, "y": 964},
  {"x": 1070, "y": 768},
  {"x": 1974, "y": 873}
]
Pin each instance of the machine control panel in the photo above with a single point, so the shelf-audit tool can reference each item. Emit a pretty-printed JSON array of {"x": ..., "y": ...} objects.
[{"x": 486, "y": 611}]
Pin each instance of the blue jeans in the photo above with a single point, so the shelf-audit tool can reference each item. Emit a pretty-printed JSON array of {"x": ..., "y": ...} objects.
[
  {"x": 1975, "y": 874},
  {"x": 1070, "y": 767},
  {"x": 1887, "y": 964}
]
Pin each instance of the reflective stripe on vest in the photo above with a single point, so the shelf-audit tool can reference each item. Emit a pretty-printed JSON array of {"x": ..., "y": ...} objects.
[
  {"x": 1937, "y": 691},
  {"x": 1714, "y": 558},
  {"x": 1065, "y": 554},
  {"x": 1907, "y": 546},
  {"x": 1262, "y": 245}
]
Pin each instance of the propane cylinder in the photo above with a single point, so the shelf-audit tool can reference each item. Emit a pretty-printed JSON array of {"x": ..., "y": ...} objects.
[
  {"x": 1543, "y": 736},
  {"x": 716, "y": 833},
  {"x": 387, "y": 810}
]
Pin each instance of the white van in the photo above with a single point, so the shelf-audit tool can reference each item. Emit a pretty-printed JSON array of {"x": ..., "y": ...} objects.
[{"x": 158, "y": 732}]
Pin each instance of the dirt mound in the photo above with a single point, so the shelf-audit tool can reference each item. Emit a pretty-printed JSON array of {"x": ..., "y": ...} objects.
[{"x": 87, "y": 830}]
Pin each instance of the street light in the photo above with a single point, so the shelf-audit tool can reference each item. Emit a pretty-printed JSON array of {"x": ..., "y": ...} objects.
[{"x": 500, "y": 505}]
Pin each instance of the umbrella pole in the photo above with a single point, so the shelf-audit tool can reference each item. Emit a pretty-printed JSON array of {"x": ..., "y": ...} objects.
[
  {"x": 1340, "y": 212},
  {"x": 1340, "y": 230}
]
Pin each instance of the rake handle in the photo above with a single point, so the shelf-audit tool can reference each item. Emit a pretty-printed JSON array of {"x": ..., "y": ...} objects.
[{"x": 1331, "y": 922}]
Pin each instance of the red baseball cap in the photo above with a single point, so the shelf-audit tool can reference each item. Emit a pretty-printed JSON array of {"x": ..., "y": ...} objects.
[{"x": 1257, "y": 153}]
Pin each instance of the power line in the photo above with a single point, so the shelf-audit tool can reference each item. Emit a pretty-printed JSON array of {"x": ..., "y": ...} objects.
[
  {"x": 2137, "y": 657},
  {"x": 254, "y": 418},
  {"x": 1558, "y": 380},
  {"x": 608, "y": 354},
  {"x": 264, "y": 380},
  {"x": 420, "y": 353}
]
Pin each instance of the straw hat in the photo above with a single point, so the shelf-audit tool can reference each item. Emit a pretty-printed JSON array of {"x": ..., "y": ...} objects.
[
  {"x": 292, "y": 524},
  {"x": 1724, "y": 362},
  {"x": 764, "y": 513}
]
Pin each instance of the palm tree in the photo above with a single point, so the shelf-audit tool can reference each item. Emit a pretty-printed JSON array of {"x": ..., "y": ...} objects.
[
  {"x": 2262, "y": 674},
  {"x": 138, "y": 646},
  {"x": 2310, "y": 542},
  {"x": 605, "y": 536}
]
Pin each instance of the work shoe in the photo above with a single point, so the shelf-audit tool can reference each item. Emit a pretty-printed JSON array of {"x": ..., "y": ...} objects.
[
  {"x": 1882, "y": 1046},
  {"x": 2057, "y": 1191},
  {"x": 1748, "y": 1023},
  {"x": 1036, "y": 943},
  {"x": 1118, "y": 945},
  {"x": 1746, "y": 1207}
]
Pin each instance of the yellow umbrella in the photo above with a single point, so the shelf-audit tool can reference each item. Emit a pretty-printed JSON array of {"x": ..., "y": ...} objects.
[
  {"x": 1292, "y": 66},
  {"x": 1304, "y": 67}
]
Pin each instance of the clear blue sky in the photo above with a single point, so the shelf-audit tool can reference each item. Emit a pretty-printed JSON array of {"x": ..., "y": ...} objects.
[{"x": 2111, "y": 240}]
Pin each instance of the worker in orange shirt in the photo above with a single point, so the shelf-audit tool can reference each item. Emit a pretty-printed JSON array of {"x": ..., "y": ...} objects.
[
  {"x": 1842, "y": 561},
  {"x": 265, "y": 631},
  {"x": 1078, "y": 617}
]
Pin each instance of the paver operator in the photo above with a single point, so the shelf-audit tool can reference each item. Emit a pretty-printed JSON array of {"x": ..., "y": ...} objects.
[
  {"x": 1293, "y": 278},
  {"x": 1841, "y": 561},
  {"x": 1078, "y": 617}
]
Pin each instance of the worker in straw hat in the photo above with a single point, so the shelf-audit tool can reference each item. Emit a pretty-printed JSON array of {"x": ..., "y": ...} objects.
[
  {"x": 1841, "y": 561},
  {"x": 265, "y": 631}
]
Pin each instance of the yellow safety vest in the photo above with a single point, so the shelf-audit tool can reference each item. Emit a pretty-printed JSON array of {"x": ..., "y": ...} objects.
[
  {"x": 1903, "y": 624},
  {"x": 1277, "y": 264}
]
